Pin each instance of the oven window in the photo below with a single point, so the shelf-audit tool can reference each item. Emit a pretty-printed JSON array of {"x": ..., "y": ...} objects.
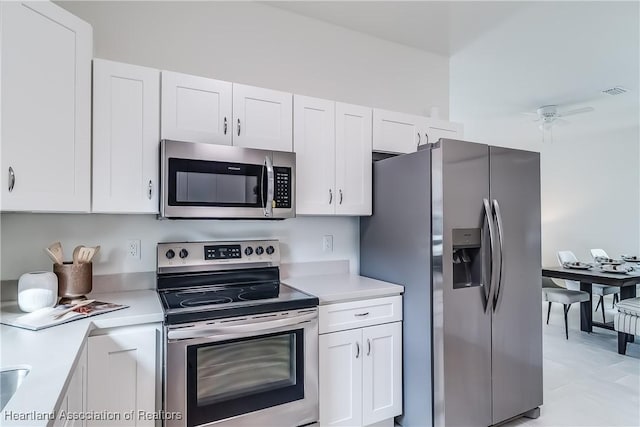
[
  {"x": 208, "y": 183},
  {"x": 230, "y": 378}
]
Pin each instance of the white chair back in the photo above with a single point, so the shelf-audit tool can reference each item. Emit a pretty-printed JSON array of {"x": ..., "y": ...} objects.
[
  {"x": 595, "y": 253},
  {"x": 568, "y": 256}
]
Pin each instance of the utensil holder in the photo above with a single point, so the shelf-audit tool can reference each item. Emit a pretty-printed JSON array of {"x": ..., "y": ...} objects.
[{"x": 74, "y": 280}]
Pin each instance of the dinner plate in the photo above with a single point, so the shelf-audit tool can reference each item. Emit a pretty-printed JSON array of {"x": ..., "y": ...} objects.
[
  {"x": 620, "y": 269},
  {"x": 630, "y": 258},
  {"x": 609, "y": 261},
  {"x": 577, "y": 265}
]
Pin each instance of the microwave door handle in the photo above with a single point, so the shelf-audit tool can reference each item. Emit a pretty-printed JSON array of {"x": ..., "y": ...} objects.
[
  {"x": 268, "y": 205},
  {"x": 244, "y": 329}
]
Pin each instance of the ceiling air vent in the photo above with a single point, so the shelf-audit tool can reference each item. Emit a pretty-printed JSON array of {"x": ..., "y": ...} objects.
[{"x": 615, "y": 91}]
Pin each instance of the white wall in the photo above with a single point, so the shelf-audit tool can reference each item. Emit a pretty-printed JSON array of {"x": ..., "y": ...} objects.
[
  {"x": 256, "y": 44},
  {"x": 25, "y": 235},
  {"x": 591, "y": 171},
  {"x": 247, "y": 43}
]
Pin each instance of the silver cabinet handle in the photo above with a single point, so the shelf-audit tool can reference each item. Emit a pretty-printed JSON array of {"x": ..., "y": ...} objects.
[
  {"x": 340, "y": 196},
  {"x": 268, "y": 206},
  {"x": 426, "y": 138},
  {"x": 330, "y": 196},
  {"x": 12, "y": 179},
  {"x": 225, "y": 125},
  {"x": 368, "y": 347},
  {"x": 494, "y": 261},
  {"x": 418, "y": 139},
  {"x": 150, "y": 189},
  {"x": 499, "y": 227},
  {"x": 361, "y": 314},
  {"x": 238, "y": 127},
  {"x": 357, "y": 349}
]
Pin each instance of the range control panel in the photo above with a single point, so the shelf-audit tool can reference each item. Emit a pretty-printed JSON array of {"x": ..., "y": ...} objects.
[{"x": 204, "y": 256}]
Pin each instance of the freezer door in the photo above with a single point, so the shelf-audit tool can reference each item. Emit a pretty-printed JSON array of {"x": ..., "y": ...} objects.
[
  {"x": 517, "y": 325},
  {"x": 462, "y": 326}
]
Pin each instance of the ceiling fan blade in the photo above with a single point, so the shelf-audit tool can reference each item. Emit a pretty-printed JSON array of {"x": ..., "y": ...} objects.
[
  {"x": 528, "y": 113},
  {"x": 576, "y": 111}
]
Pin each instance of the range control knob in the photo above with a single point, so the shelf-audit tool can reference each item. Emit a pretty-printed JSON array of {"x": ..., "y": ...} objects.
[
  {"x": 259, "y": 250},
  {"x": 183, "y": 253},
  {"x": 270, "y": 250},
  {"x": 170, "y": 254},
  {"x": 248, "y": 250}
]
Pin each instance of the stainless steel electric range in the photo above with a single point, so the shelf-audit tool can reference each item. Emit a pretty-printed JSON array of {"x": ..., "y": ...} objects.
[{"x": 241, "y": 347}]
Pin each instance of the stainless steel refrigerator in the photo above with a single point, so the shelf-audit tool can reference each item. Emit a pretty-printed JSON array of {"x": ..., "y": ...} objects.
[{"x": 458, "y": 224}]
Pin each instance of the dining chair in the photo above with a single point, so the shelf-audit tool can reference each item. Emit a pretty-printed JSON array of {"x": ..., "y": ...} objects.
[
  {"x": 554, "y": 293},
  {"x": 601, "y": 253},
  {"x": 596, "y": 289}
]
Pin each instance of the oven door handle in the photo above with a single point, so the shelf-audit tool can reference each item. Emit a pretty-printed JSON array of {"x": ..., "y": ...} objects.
[{"x": 244, "y": 329}]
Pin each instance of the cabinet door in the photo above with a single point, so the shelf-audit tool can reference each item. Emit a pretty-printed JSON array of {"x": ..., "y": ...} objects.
[
  {"x": 262, "y": 118},
  {"x": 74, "y": 401},
  {"x": 126, "y": 126},
  {"x": 341, "y": 356},
  {"x": 395, "y": 132},
  {"x": 353, "y": 159},
  {"x": 382, "y": 372},
  {"x": 434, "y": 129},
  {"x": 46, "y": 108},
  {"x": 314, "y": 145},
  {"x": 122, "y": 374},
  {"x": 195, "y": 109}
]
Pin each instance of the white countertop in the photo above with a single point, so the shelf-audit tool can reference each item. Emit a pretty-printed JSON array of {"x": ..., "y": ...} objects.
[
  {"x": 51, "y": 353},
  {"x": 333, "y": 288}
]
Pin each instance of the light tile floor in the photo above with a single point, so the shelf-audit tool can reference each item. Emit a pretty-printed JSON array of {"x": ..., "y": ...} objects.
[{"x": 586, "y": 381}]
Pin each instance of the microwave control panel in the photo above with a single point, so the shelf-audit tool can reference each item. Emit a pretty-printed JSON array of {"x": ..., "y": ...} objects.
[{"x": 282, "y": 195}]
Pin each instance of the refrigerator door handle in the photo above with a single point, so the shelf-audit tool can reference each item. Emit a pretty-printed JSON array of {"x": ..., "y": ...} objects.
[
  {"x": 494, "y": 255},
  {"x": 500, "y": 228}
]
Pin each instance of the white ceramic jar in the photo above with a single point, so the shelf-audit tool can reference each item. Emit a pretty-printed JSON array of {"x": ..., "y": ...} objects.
[{"x": 37, "y": 290}]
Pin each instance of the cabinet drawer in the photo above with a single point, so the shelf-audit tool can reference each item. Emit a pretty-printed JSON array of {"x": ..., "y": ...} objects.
[{"x": 356, "y": 314}]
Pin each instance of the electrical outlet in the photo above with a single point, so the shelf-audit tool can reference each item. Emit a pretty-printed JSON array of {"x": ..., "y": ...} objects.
[
  {"x": 327, "y": 243},
  {"x": 133, "y": 249}
]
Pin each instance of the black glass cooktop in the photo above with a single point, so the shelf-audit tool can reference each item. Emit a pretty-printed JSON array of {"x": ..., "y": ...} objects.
[{"x": 196, "y": 297}]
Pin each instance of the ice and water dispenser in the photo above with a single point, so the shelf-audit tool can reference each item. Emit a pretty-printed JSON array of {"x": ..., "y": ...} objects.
[{"x": 467, "y": 257}]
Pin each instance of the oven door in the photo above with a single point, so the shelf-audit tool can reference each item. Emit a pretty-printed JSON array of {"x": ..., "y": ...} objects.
[
  {"x": 260, "y": 371},
  {"x": 213, "y": 181}
]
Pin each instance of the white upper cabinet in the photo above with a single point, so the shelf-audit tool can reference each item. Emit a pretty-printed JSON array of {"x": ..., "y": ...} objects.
[
  {"x": 434, "y": 129},
  {"x": 396, "y": 132},
  {"x": 262, "y": 118},
  {"x": 332, "y": 142},
  {"x": 195, "y": 109},
  {"x": 314, "y": 145},
  {"x": 126, "y": 126},
  {"x": 353, "y": 159},
  {"x": 45, "y": 108}
]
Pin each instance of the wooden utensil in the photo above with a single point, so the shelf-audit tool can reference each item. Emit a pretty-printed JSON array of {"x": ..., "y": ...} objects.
[
  {"x": 76, "y": 254},
  {"x": 69, "y": 310},
  {"x": 53, "y": 256},
  {"x": 86, "y": 254},
  {"x": 56, "y": 250}
]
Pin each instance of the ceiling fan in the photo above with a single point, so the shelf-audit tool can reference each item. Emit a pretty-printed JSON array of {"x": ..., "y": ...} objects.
[{"x": 550, "y": 115}]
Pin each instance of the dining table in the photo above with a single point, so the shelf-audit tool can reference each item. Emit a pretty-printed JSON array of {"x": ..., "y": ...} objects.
[{"x": 625, "y": 281}]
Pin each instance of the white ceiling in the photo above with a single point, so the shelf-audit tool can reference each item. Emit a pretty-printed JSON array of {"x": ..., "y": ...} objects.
[
  {"x": 442, "y": 27},
  {"x": 513, "y": 56}
]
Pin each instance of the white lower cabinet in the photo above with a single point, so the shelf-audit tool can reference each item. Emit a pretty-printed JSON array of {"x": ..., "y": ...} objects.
[
  {"x": 361, "y": 374},
  {"x": 122, "y": 371},
  {"x": 74, "y": 402}
]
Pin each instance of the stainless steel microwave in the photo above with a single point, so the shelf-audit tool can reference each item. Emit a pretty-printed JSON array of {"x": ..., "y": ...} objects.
[{"x": 219, "y": 181}]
